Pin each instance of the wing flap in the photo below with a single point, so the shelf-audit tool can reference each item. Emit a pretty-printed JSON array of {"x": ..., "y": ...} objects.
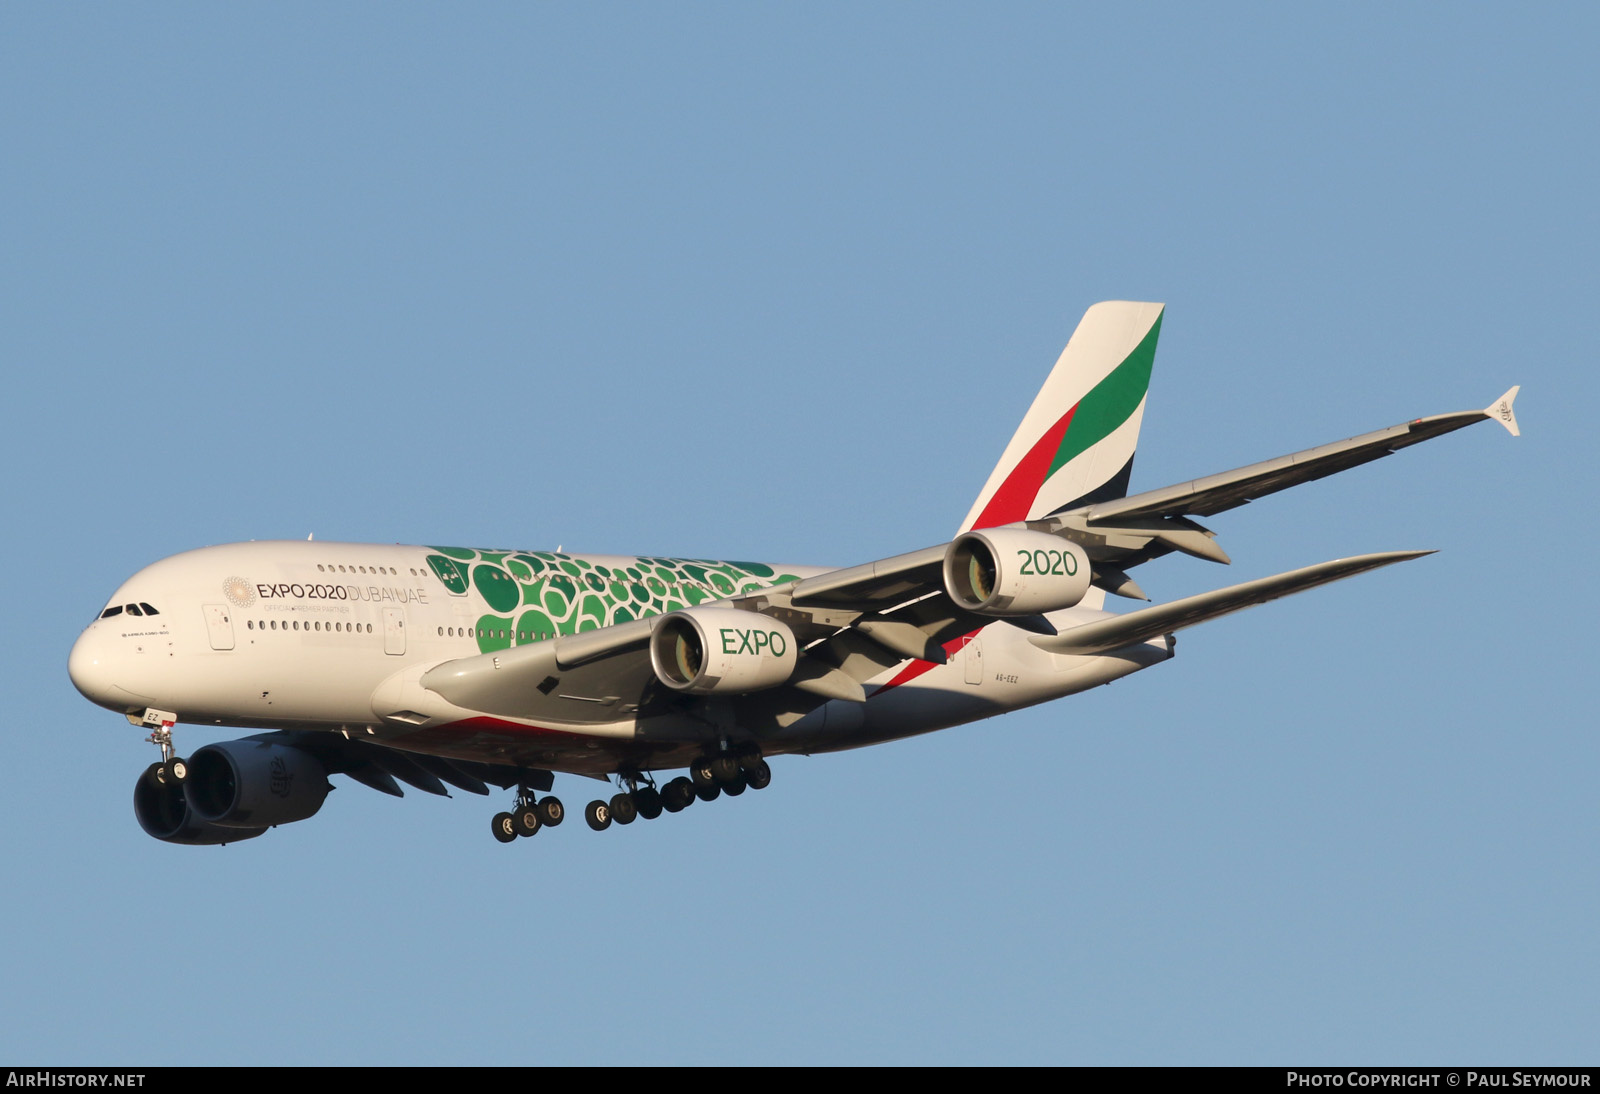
[{"x": 1147, "y": 623}]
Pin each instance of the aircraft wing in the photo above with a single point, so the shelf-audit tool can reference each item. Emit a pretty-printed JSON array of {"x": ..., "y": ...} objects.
[
  {"x": 1218, "y": 493},
  {"x": 1131, "y": 530},
  {"x": 856, "y": 622},
  {"x": 852, "y": 624}
]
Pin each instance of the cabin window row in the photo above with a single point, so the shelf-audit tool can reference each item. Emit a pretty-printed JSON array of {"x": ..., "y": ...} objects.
[
  {"x": 332, "y": 568},
  {"x": 491, "y": 632},
  {"x": 308, "y": 625}
]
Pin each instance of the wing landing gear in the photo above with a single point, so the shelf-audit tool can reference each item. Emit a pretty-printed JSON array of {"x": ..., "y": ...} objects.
[{"x": 529, "y": 813}]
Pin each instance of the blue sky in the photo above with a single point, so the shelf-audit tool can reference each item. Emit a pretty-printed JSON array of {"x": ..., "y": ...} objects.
[{"x": 777, "y": 282}]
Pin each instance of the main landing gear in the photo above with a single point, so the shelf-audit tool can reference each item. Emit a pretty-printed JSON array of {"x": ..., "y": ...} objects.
[
  {"x": 527, "y": 816},
  {"x": 172, "y": 769},
  {"x": 708, "y": 778}
]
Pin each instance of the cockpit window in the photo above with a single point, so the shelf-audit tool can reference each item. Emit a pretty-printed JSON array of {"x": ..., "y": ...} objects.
[
  {"x": 115, "y": 609},
  {"x": 133, "y": 609},
  {"x": 148, "y": 610}
]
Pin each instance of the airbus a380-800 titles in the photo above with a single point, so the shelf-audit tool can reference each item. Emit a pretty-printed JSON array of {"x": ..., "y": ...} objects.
[{"x": 467, "y": 667}]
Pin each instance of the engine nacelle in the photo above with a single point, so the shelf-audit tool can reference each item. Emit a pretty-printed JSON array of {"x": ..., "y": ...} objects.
[
  {"x": 722, "y": 651},
  {"x": 1012, "y": 571},
  {"x": 252, "y": 784},
  {"x": 164, "y": 813}
]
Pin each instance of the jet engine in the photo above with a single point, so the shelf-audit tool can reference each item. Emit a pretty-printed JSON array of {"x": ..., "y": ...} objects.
[
  {"x": 253, "y": 783},
  {"x": 722, "y": 651},
  {"x": 164, "y": 813},
  {"x": 1012, "y": 571}
]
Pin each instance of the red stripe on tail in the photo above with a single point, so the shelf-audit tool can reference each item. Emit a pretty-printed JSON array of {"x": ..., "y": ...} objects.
[{"x": 1014, "y": 498}]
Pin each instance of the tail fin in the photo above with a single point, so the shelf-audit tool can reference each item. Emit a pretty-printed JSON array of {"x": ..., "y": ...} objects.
[{"x": 1075, "y": 445}]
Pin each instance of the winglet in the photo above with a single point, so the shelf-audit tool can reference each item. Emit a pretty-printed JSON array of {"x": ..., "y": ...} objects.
[{"x": 1500, "y": 411}]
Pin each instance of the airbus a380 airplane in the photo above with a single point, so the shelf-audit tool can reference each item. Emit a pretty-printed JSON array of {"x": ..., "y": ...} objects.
[{"x": 435, "y": 665}]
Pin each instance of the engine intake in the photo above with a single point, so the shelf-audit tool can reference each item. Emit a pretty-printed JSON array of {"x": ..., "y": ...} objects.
[
  {"x": 707, "y": 651},
  {"x": 253, "y": 783},
  {"x": 1012, "y": 571},
  {"x": 163, "y": 812}
]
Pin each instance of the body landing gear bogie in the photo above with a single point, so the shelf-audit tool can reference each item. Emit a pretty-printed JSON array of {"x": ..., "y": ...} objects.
[
  {"x": 757, "y": 775},
  {"x": 710, "y": 777}
]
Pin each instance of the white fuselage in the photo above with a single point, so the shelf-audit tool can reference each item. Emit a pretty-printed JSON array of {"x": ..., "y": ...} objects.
[{"x": 335, "y": 636}]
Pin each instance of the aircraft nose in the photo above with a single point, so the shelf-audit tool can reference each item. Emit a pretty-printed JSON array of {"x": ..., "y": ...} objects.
[{"x": 90, "y": 669}]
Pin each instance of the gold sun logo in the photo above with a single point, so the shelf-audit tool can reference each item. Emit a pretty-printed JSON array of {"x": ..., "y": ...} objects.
[{"x": 240, "y": 591}]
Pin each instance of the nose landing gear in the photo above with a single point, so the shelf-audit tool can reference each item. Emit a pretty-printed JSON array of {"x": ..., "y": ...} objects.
[{"x": 172, "y": 769}]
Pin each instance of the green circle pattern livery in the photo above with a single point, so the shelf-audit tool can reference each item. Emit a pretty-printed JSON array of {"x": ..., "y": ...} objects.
[{"x": 535, "y": 595}]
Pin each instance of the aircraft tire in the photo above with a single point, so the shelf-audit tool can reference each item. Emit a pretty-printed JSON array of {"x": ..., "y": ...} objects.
[
  {"x": 526, "y": 820},
  {"x": 502, "y": 828},
  {"x": 624, "y": 809},
  {"x": 702, "y": 775},
  {"x": 598, "y": 814},
  {"x": 708, "y": 793},
  {"x": 734, "y": 786},
  {"x": 677, "y": 795},
  {"x": 758, "y": 776},
  {"x": 551, "y": 812},
  {"x": 648, "y": 801},
  {"x": 725, "y": 769}
]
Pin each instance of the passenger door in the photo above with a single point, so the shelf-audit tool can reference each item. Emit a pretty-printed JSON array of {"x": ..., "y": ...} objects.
[
  {"x": 394, "y": 631},
  {"x": 219, "y": 626}
]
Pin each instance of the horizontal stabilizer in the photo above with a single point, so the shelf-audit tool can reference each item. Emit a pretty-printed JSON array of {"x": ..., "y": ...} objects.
[{"x": 1148, "y": 623}]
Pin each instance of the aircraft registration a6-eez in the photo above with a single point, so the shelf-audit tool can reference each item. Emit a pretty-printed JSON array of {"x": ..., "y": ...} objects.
[{"x": 449, "y": 665}]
